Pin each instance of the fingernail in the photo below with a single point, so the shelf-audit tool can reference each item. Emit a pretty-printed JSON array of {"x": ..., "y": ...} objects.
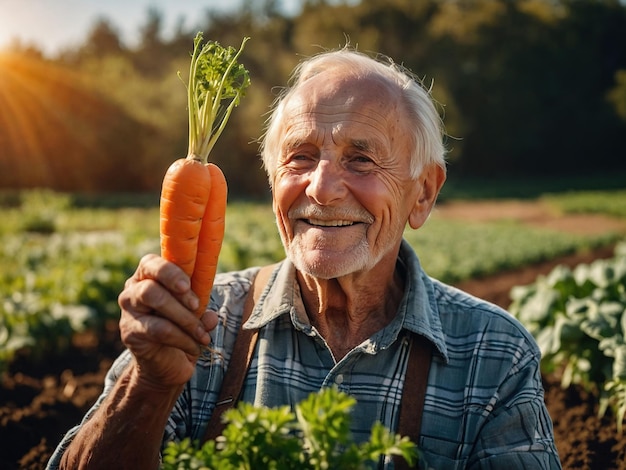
[{"x": 194, "y": 303}]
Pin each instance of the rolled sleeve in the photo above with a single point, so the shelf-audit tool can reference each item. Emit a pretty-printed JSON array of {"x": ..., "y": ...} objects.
[{"x": 112, "y": 375}]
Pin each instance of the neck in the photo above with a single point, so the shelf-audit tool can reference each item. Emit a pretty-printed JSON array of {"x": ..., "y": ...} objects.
[{"x": 348, "y": 310}]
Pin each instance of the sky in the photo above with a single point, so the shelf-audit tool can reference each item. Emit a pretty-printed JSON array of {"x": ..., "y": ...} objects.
[{"x": 53, "y": 25}]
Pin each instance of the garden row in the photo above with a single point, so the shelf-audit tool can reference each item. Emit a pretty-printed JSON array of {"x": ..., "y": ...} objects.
[{"x": 62, "y": 267}]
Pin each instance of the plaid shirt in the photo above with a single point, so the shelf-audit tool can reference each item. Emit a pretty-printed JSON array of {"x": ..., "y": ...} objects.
[{"x": 484, "y": 403}]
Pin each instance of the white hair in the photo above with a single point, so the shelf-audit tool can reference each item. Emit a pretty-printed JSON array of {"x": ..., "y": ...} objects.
[{"x": 424, "y": 120}]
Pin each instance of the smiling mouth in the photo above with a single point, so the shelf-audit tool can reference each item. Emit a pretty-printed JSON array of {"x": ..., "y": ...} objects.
[{"x": 330, "y": 223}]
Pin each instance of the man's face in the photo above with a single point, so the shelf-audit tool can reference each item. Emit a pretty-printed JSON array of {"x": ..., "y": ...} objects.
[{"x": 342, "y": 191}]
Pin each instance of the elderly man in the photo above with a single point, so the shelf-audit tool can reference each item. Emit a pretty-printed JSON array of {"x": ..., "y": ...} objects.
[{"x": 354, "y": 152}]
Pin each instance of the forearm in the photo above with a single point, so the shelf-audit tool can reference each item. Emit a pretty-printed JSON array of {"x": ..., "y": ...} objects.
[{"x": 127, "y": 430}]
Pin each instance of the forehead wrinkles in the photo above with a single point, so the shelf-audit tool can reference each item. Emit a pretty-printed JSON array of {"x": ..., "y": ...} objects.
[
  {"x": 362, "y": 111},
  {"x": 331, "y": 113},
  {"x": 307, "y": 121}
]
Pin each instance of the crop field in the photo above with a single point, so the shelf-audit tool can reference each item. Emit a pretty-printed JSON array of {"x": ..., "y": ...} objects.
[
  {"x": 61, "y": 267},
  {"x": 63, "y": 264}
]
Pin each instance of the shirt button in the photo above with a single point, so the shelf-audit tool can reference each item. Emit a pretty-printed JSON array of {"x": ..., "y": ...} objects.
[{"x": 339, "y": 379}]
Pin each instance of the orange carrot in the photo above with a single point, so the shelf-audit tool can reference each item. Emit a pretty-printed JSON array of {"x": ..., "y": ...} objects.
[
  {"x": 184, "y": 196},
  {"x": 210, "y": 241},
  {"x": 193, "y": 195}
]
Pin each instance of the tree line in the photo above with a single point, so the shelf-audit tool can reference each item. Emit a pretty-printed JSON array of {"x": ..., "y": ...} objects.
[{"x": 529, "y": 88}]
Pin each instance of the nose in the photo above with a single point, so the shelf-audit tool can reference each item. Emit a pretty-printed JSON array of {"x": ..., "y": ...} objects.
[{"x": 326, "y": 184}]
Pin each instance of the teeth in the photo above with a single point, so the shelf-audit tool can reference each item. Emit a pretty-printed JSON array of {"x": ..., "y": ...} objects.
[{"x": 330, "y": 223}]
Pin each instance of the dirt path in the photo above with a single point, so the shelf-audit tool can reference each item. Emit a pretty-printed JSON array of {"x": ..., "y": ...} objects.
[
  {"x": 535, "y": 214},
  {"x": 496, "y": 288}
]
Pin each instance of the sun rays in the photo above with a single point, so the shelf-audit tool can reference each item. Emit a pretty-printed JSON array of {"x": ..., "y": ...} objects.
[{"x": 56, "y": 132}]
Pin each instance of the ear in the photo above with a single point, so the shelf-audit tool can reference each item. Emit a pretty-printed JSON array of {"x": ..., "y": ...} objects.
[{"x": 430, "y": 180}]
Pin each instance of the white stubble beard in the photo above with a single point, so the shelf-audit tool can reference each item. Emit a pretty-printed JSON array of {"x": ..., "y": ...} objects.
[{"x": 358, "y": 259}]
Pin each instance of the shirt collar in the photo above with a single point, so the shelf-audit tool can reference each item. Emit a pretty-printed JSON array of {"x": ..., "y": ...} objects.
[
  {"x": 418, "y": 311},
  {"x": 281, "y": 295}
]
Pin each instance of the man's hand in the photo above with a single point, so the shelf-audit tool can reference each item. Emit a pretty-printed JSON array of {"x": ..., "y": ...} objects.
[{"x": 158, "y": 325}]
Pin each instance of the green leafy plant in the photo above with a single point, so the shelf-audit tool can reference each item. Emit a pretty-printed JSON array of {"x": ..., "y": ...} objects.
[
  {"x": 315, "y": 436},
  {"x": 579, "y": 320},
  {"x": 54, "y": 286}
]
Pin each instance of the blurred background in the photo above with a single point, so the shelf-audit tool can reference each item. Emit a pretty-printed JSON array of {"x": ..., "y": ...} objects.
[{"x": 531, "y": 91}]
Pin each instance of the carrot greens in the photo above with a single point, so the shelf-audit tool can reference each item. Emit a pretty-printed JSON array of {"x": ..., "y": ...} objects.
[{"x": 215, "y": 87}]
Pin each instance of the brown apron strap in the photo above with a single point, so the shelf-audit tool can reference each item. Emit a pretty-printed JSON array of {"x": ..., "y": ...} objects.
[
  {"x": 240, "y": 359},
  {"x": 414, "y": 392}
]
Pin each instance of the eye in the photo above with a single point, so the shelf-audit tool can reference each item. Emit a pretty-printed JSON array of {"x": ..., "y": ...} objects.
[
  {"x": 360, "y": 163},
  {"x": 299, "y": 160}
]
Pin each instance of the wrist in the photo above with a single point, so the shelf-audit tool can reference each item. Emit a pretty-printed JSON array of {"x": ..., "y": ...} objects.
[{"x": 150, "y": 388}]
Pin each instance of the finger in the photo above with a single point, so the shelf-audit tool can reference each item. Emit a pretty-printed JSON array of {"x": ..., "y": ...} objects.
[
  {"x": 149, "y": 297},
  {"x": 167, "y": 274},
  {"x": 141, "y": 333},
  {"x": 209, "y": 319},
  {"x": 137, "y": 275}
]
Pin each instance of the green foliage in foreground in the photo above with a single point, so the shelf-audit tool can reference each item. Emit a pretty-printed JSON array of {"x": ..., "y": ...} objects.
[
  {"x": 314, "y": 437},
  {"x": 579, "y": 320}
]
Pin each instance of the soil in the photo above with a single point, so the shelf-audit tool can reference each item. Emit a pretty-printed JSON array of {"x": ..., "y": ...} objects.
[{"x": 39, "y": 402}]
